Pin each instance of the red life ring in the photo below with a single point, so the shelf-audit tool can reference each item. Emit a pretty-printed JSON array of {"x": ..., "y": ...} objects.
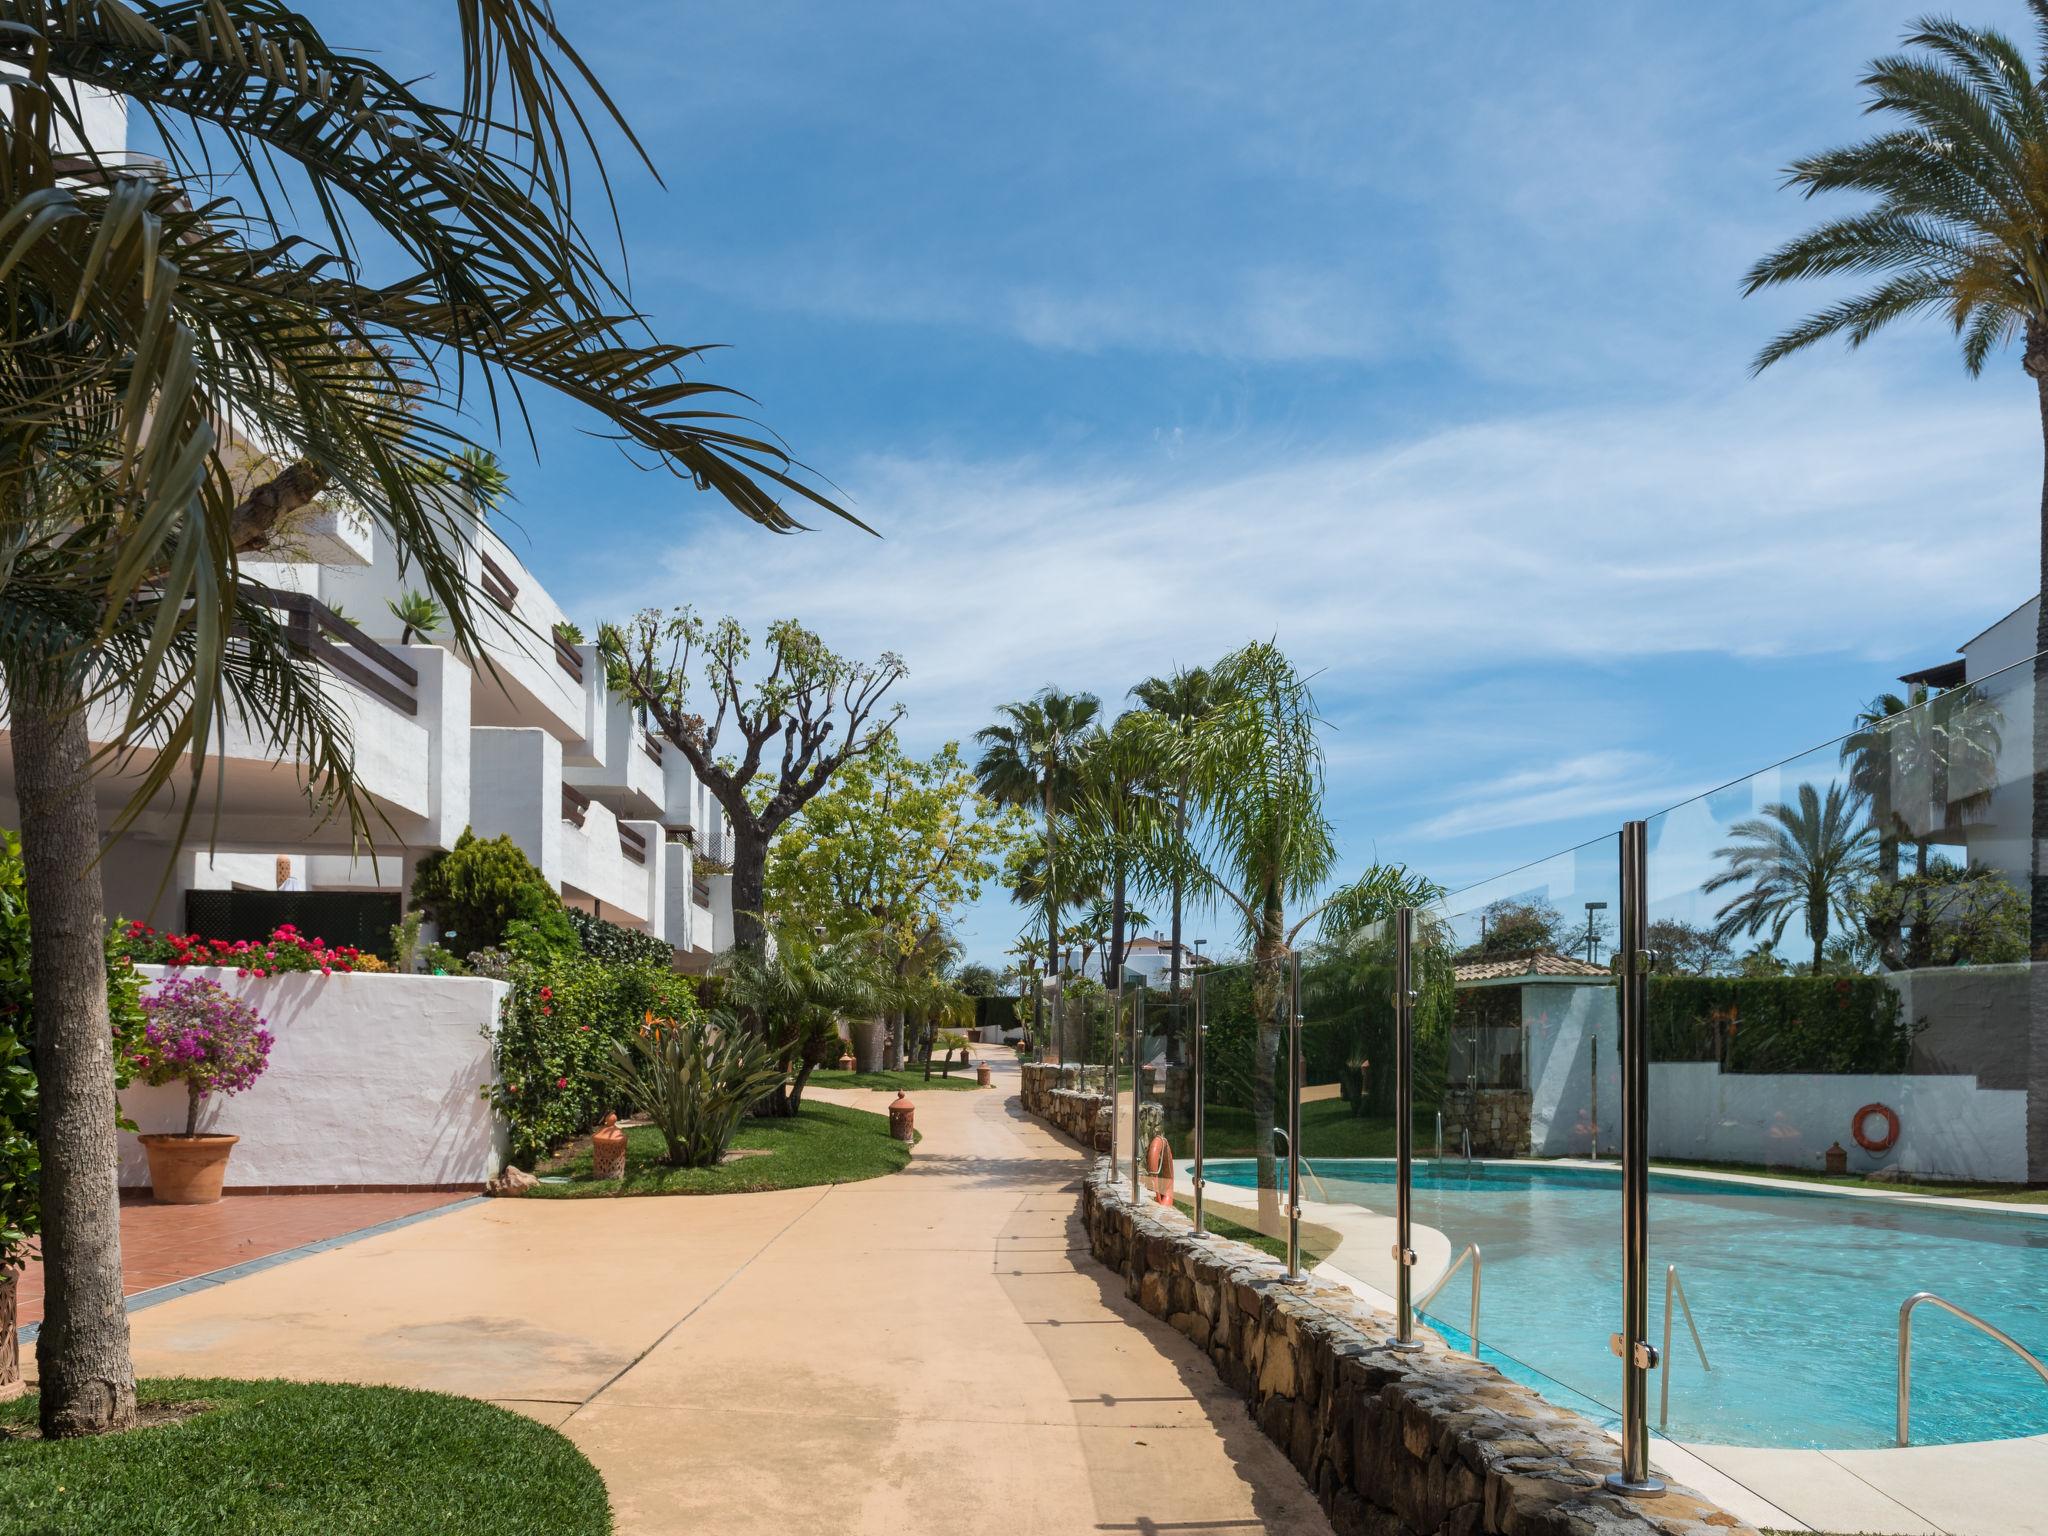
[{"x": 1891, "y": 1121}]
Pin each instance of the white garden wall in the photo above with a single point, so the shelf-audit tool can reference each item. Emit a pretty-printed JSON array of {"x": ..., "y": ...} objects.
[
  {"x": 374, "y": 1080},
  {"x": 1948, "y": 1126}
]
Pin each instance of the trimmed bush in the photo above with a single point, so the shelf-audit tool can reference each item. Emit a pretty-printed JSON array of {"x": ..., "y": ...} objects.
[
  {"x": 1837, "y": 1024},
  {"x": 483, "y": 893}
]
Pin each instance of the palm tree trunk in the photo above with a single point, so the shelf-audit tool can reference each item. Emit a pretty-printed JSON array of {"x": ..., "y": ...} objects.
[
  {"x": 1052, "y": 886},
  {"x": 1116, "y": 931},
  {"x": 88, "y": 1379}
]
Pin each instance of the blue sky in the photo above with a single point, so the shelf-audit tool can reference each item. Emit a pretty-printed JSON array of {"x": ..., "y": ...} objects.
[{"x": 1408, "y": 334}]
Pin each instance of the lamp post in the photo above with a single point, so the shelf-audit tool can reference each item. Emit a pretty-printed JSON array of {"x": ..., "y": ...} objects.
[{"x": 1593, "y": 933}]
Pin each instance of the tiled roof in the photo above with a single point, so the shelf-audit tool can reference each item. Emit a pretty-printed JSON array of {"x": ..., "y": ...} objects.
[{"x": 1541, "y": 963}]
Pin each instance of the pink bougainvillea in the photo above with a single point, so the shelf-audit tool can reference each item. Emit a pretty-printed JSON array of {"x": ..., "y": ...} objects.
[{"x": 199, "y": 1034}]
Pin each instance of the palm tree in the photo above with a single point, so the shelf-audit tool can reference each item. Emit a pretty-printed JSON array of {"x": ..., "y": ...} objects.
[
  {"x": 1117, "y": 832},
  {"x": 1179, "y": 700},
  {"x": 1806, "y": 860},
  {"x": 795, "y": 991},
  {"x": 1028, "y": 759},
  {"x": 1879, "y": 755},
  {"x": 141, "y": 329},
  {"x": 1258, "y": 779},
  {"x": 1959, "y": 230}
]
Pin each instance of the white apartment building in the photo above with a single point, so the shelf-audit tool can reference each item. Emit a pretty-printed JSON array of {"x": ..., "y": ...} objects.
[{"x": 526, "y": 740}]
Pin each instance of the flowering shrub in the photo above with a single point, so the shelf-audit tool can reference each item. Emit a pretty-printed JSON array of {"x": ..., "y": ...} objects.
[
  {"x": 284, "y": 951},
  {"x": 557, "y": 1030},
  {"x": 197, "y": 1033}
]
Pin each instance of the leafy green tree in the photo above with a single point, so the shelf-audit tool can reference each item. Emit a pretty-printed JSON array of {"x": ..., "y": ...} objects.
[
  {"x": 1686, "y": 949},
  {"x": 975, "y": 979},
  {"x": 809, "y": 710},
  {"x": 1958, "y": 230},
  {"x": 900, "y": 842},
  {"x": 1950, "y": 915},
  {"x": 1806, "y": 860}
]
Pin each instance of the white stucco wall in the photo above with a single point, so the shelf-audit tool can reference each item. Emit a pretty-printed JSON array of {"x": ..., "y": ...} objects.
[
  {"x": 1564, "y": 1023},
  {"x": 373, "y": 1080},
  {"x": 1948, "y": 1126}
]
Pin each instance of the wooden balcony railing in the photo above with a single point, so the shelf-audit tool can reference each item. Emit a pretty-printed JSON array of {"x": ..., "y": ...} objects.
[
  {"x": 313, "y": 629},
  {"x": 651, "y": 745},
  {"x": 575, "y": 805},
  {"x": 632, "y": 844},
  {"x": 701, "y": 891},
  {"x": 498, "y": 587},
  {"x": 568, "y": 658}
]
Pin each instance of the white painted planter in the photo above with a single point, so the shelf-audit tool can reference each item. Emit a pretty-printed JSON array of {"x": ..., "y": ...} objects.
[{"x": 374, "y": 1080}]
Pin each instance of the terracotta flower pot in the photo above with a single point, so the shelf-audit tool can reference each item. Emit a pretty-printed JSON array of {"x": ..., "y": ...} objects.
[
  {"x": 11, "y": 1384},
  {"x": 187, "y": 1170}
]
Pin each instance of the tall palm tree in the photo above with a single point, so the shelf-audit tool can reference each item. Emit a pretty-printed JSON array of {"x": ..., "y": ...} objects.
[
  {"x": 154, "y": 341},
  {"x": 1804, "y": 860},
  {"x": 1959, "y": 230},
  {"x": 1881, "y": 758},
  {"x": 1179, "y": 700},
  {"x": 1266, "y": 844},
  {"x": 1118, "y": 830},
  {"x": 1028, "y": 759}
]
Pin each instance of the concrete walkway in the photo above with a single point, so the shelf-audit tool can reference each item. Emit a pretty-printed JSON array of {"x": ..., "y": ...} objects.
[{"x": 932, "y": 1351}]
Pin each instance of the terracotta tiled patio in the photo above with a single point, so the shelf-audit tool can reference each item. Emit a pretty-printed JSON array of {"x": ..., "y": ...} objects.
[{"x": 163, "y": 1244}]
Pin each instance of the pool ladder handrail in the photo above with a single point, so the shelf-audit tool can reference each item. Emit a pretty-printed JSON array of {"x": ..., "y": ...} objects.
[
  {"x": 1280, "y": 1150},
  {"x": 1471, "y": 1251},
  {"x": 1906, "y": 1349},
  {"x": 1673, "y": 1286}
]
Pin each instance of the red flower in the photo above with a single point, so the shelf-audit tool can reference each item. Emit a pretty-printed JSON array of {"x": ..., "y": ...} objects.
[{"x": 561, "y": 1082}]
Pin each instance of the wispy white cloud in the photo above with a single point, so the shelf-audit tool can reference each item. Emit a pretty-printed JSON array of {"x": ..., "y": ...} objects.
[
  {"x": 1610, "y": 782},
  {"x": 1765, "y": 522}
]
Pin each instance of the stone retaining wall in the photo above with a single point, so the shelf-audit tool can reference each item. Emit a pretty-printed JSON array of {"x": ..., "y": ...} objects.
[{"x": 1393, "y": 1444}]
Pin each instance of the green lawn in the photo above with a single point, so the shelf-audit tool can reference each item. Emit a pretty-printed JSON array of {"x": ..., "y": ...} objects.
[
  {"x": 1313, "y": 1251},
  {"x": 270, "y": 1457},
  {"x": 824, "y": 1144},
  {"x": 1328, "y": 1129},
  {"x": 909, "y": 1080},
  {"x": 2011, "y": 1194}
]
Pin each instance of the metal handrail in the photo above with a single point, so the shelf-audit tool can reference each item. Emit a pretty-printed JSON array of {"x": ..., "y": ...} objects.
[
  {"x": 1283, "y": 1149},
  {"x": 1673, "y": 1286},
  {"x": 1906, "y": 1348},
  {"x": 1471, "y": 1252}
]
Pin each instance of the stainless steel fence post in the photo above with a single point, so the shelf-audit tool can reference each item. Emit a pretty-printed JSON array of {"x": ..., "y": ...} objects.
[
  {"x": 1404, "y": 1129},
  {"x": 1200, "y": 1090},
  {"x": 1294, "y": 1118},
  {"x": 1137, "y": 1088},
  {"x": 1116, "y": 1021},
  {"x": 1638, "y": 1354}
]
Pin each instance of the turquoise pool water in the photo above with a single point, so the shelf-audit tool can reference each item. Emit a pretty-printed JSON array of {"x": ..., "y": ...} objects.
[{"x": 1796, "y": 1294}]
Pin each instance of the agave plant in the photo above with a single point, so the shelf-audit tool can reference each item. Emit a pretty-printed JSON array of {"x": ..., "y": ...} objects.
[
  {"x": 694, "y": 1079},
  {"x": 418, "y": 615}
]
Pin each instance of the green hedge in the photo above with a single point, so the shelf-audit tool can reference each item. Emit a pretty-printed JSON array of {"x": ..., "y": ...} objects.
[
  {"x": 996, "y": 1013},
  {"x": 623, "y": 946},
  {"x": 1780, "y": 1023}
]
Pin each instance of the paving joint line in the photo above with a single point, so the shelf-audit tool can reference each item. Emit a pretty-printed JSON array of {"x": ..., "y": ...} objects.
[
  {"x": 157, "y": 1295},
  {"x": 702, "y": 1302}
]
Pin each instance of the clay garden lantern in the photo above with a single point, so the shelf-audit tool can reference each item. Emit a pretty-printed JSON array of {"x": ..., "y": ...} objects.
[
  {"x": 1837, "y": 1158},
  {"x": 608, "y": 1150},
  {"x": 902, "y": 1118},
  {"x": 981, "y": 1077}
]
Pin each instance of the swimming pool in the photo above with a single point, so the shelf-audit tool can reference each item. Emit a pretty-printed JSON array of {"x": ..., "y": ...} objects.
[{"x": 1796, "y": 1292}]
